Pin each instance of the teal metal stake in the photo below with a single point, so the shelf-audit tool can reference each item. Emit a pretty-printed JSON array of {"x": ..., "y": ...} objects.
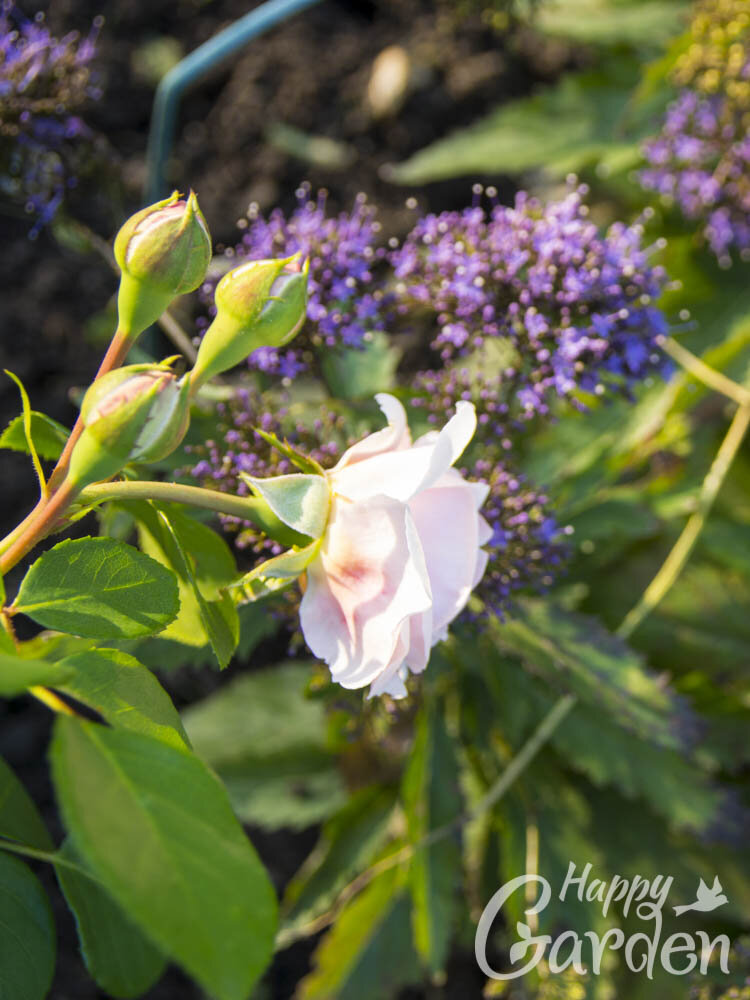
[{"x": 187, "y": 72}]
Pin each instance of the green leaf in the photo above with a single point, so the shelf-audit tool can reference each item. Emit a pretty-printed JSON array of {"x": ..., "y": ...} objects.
[
  {"x": 670, "y": 781},
  {"x": 368, "y": 954},
  {"x": 590, "y": 741},
  {"x": 300, "y": 501},
  {"x": 118, "y": 957},
  {"x": 155, "y": 827},
  {"x": 222, "y": 627},
  {"x": 17, "y": 674},
  {"x": 728, "y": 544},
  {"x": 256, "y": 623},
  {"x": 560, "y": 129},
  {"x": 347, "y": 845},
  {"x": 48, "y": 436},
  {"x": 431, "y": 799},
  {"x": 6, "y": 643},
  {"x": 358, "y": 373},
  {"x": 27, "y": 942},
  {"x": 100, "y": 589},
  {"x": 315, "y": 150},
  {"x": 292, "y": 794},
  {"x": 242, "y": 718},
  {"x": 124, "y": 692},
  {"x": 204, "y": 565},
  {"x": 608, "y": 524},
  {"x": 219, "y": 618},
  {"x": 644, "y": 23},
  {"x": 597, "y": 666},
  {"x": 276, "y": 775},
  {"x": 19, "y": 817},
  {"x": 53, "y": 646}
]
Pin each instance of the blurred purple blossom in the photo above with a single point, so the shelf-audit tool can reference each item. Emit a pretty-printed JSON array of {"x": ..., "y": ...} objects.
[
  {"x": 44, "y": 82},
  {"x": 700, "y": 160},
  {"x": 571, "y": 310},
  {"x": 528, "y": 546}
]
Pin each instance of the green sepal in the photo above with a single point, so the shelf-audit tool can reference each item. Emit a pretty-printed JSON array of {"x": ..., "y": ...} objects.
[
  {"x": 274, "y": 574},
  {"x": 300, "y": 501},
  {"x": 303, "y": 462}
]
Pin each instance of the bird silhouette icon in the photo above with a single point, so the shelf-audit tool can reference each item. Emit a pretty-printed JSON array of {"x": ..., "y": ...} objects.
[{"x": 705, "y": 899}]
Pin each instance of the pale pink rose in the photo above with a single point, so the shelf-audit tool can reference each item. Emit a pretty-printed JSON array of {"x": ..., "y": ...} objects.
[{"x": 401, "y": 552}]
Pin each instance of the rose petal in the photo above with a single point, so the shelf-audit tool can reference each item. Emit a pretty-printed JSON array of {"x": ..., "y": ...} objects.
[
  {"x": 369, "y": 579},
  {"x": 448, "y": 527},
  {"x": 452, "y": 477},
  {"x": 482, "y": 560},
  {"x": 391, "y": 680},
  {"x": 395, "y": 687},
  {"x": 402, "y": 474},
  {"x": 394, "y": 437}
]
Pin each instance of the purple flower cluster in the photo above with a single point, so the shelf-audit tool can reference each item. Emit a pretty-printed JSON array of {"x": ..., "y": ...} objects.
[
  {"x": 439, "y": 390},
  {"x": 527, "y": 547},
  {"x": 701, "y": 161},
  {"x": 44, "y": 82},
  {"x": 567, "y": 309},
  {"x": 346, "y": 300}
]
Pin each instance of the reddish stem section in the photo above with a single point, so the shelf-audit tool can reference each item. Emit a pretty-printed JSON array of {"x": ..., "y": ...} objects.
[{"x": 116, "y": 354}]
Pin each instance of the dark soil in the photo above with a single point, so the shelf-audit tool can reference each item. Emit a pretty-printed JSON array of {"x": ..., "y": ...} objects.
[{"x": 312, "y": 74}]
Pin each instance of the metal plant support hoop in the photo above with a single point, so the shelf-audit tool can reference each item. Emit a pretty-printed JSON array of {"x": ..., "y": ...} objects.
[{"x": 193, "y": 68}]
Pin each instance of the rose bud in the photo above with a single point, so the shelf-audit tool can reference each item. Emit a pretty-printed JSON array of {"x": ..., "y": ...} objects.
[
  {"x": 262, "y": 303},
  {"x": 139, "y": 413},
  {"x": 163, "y": 251}
]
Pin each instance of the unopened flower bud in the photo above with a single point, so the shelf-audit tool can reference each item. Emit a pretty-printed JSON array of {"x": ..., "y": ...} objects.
[
  {"x": 139, "y": 413},
  {"x": 163, "y": 251},
  {"x": 262, "y": 303}
]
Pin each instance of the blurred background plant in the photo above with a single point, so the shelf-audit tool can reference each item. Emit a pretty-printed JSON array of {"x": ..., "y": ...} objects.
[
  {"x": 559, "y": 307},
  {"x": 46, "y": 147},
  {"x": 701, "y": 159}
]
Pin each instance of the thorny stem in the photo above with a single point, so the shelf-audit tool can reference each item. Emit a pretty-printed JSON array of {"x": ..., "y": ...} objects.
[
  {"x": 43, "y": 518},
  {"x": 41, "y": 522},
  {"x": 654, "y": 593}
]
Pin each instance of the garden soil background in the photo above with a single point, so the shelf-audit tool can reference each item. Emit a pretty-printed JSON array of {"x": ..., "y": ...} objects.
[{"x": 56, "y": 303}]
